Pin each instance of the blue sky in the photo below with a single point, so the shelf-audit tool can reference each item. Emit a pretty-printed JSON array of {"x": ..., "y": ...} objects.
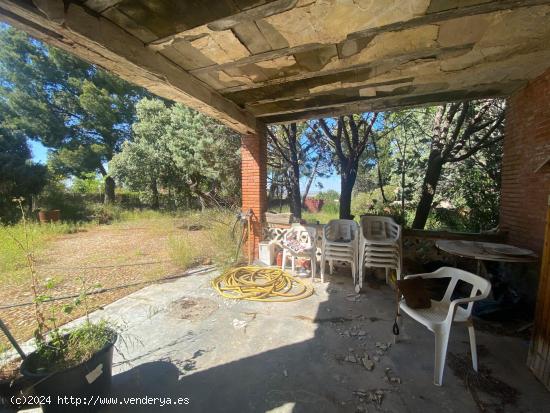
[
  {"x": 332, "y": 182},
  {"x": 40, "y": 154}
]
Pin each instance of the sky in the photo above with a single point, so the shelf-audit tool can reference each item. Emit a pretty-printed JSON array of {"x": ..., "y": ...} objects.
[
  {"x": 40, "y": 154},
  {"x": 331, "y": 182}
]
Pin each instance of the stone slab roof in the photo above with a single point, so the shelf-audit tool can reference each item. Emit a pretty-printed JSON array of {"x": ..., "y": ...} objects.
[{"x": 250, "y": 62}]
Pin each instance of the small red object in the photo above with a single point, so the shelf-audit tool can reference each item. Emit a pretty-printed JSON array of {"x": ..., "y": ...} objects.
[{"x": 279, "y": 259}]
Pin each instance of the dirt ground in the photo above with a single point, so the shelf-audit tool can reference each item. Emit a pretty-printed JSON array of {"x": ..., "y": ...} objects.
[{"x": 107, "y": 255}]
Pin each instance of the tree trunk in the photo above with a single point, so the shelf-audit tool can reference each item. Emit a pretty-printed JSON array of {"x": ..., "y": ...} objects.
[
  {"x": 272, "y": 190},
  {"x": 347, "y": 182},
  {"x": 379, "y": 171},
  {"x": 310, "y": 180},
  {"x": 109, "y": 190},
  {"x": 155, "y": 193},
  {"x": 431, "y": 178},
  {"x": 403, "y": 188},
  {"x": 295, "y": 199}
]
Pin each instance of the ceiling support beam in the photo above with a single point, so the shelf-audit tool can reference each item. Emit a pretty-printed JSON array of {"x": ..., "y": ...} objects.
[{"x": 99, "y": 41}]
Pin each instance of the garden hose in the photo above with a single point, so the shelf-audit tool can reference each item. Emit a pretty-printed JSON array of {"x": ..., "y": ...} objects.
[{"x": 261, "y": 284}]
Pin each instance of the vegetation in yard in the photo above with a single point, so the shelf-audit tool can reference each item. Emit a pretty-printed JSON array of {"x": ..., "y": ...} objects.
[
  {"x": 19, "y": 176},
  {"x": 79, "y": 111},
  {"x": 216, "y": 243},
  {"x": 295, "y": 151},
  {"x": 180, "y": 152},
  {"x": 433, "y": 167},
  {"x": 58, "y": 350},
  {"x": 13, "y": 259}
]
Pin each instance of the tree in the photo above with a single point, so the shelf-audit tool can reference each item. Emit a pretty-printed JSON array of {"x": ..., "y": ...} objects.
[
  {"x": 19, "y": 176},
  {"x": 459, "y": 131},
  {"x": 143, "y": 163},
  {"x": 348, "y": 137},
  {"x": 295, "y": 150},
  {"x": 80, "y": 111},
  {"x": 475, "y": 184},
  {"x": 405, "y": 132},
  {"x": 183, "y": 151},
  {"x": 284, "y": 142}
]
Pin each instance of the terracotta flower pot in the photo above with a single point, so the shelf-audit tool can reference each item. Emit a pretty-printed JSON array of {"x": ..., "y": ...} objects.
[
  {"x": 314, "y": 205},
  {"x": 53, "y": 215}
]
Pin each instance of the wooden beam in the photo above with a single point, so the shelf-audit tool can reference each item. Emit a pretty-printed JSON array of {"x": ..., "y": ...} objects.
[
  {"x": 391, "y": 103},
  {"x": 406, "y": 93},
  {"x": 99, "y": 41}
]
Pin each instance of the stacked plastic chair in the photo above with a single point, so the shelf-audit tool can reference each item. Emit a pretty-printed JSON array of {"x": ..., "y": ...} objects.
[
  {"x": 380, "y": 246},
  {"x": 340, "y": 243}
]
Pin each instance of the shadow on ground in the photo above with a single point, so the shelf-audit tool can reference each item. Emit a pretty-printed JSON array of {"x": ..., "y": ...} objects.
[{"x": 331, "y": 352}]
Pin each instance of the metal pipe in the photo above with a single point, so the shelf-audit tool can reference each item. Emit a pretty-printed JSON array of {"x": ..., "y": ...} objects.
[{"x": 12, "y": 340}]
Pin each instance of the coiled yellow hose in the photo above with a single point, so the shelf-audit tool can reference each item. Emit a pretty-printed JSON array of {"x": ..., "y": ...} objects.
[{"x": 261, "y": 284}]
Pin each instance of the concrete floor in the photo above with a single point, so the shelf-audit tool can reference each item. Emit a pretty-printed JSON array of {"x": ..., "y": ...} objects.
[{"x": 182, "y": 340}]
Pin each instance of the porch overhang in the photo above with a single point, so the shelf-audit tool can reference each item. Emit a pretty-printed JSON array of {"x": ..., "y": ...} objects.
[{"x": 251, "y": 62}]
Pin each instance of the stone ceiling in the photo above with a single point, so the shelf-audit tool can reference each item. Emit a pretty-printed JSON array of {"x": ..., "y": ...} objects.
[{"x": 245, "y": 61}]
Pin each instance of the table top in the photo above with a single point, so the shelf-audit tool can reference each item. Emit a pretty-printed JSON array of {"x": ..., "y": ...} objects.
[{"x": 486, "y": 251}]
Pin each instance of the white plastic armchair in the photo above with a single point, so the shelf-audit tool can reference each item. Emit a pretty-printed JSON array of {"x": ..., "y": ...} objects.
[
  {"x": 340, "y": 243},
  {"x": 300, "y": 241},
  {"x": 380, "y": 246},
  {"x": 440, "y": 316}
]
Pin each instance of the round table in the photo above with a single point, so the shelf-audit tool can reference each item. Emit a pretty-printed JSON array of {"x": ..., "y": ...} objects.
[{"x": 486, "y": 251}]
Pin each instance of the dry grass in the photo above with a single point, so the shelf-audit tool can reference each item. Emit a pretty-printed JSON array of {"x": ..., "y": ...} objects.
[{"x": 130, "y": 251}]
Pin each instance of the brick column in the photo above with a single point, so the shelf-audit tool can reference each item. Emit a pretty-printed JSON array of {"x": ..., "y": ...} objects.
[
  {"x": 254, "y": 176},
  {"x": 525, "y": 165}
]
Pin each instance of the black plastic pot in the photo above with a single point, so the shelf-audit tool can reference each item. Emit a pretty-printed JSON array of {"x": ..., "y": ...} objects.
[
  {"x": 12, "y": 393},
  {"x": 85, "y": 383}
]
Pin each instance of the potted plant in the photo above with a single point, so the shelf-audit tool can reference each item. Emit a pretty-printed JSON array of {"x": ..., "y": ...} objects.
[
  {"x": 75, "y": 363},
  {"x": 48, "y": 215},
  {"x": 12, "y": 383}
]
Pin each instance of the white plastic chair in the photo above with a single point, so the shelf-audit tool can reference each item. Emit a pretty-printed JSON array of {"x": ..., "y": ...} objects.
[
  {"x": 340, "y": 243},
  {"x": 380, "y": 246},
  {"x": 306, "y": 238},
  {"x": 440, "y": 316}
]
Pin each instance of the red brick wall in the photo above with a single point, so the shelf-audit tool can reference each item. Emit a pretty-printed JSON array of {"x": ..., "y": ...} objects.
[
  {"x": 526, "y": 146},
  {"x": 254, "y": 176}
]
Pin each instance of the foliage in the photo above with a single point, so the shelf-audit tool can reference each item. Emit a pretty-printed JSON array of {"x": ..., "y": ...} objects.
[
  {"x": 79, "y": 110},
  {"x": 13, "y": 260},
  {"x": 347, "y": 137},
  {"x": 56, "y": 352},
  {"x": 217, "y": 226},
  {"x": 88, "y": 183},
  {"x": 458, "y": 132},
  {"x": 474, "y": 187},
  {"x": 295, "y": 151},
  {"x": 469, "y": 179},
  {"x": 180, "y": 151},
  {"x": 19, "y": 176}
]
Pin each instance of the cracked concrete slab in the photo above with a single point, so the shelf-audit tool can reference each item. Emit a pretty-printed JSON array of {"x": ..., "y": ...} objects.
[{"x": 332, "y": 352}]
